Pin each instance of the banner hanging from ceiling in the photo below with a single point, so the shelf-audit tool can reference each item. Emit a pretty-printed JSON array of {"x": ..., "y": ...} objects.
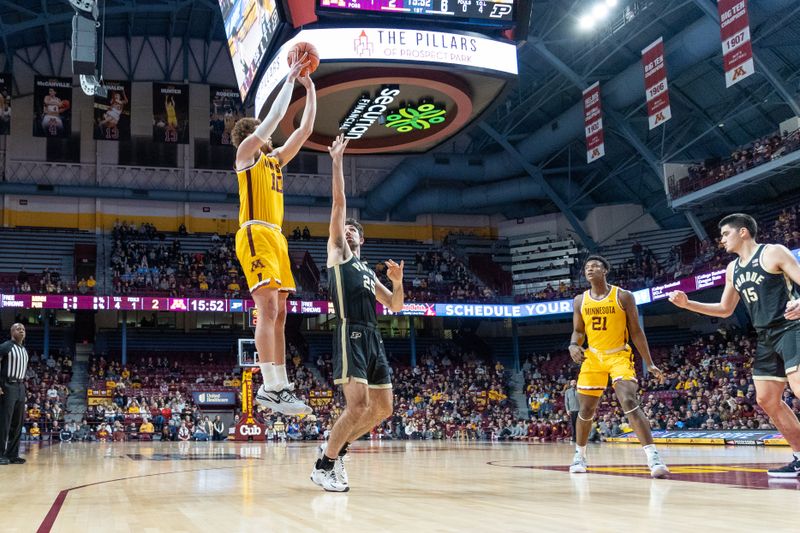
[
  {"x": 737, "y": 50},
  {"x": 655, "y": 84},
  {"x": 593, "y": 121}
]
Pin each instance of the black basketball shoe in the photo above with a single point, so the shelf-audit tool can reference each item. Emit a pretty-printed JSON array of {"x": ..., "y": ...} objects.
[{"x": 790, "y": 470}]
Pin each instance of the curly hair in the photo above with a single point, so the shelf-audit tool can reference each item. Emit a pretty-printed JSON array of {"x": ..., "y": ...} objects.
[
  {"x": 243, "y": 128},
  {"x": 600, "y": 259},
  {"x": 353, "y": 222}
]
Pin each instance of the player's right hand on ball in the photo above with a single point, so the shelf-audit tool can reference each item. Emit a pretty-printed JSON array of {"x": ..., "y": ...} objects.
[
  {"x": 679, "y": 298},
  {"x": 576, "y": 352},
  {"x": 297, "y": 66}
]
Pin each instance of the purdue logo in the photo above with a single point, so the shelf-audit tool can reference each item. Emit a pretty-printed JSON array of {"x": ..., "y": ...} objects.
[
  {"x": 499, "y": 11},
  {"x": 256, "y": 265}
]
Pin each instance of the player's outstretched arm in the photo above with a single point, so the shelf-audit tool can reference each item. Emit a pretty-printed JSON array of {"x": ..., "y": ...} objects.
[
  {"x": 723, "y": 309},
  {"x": 578, "y": 331},
  {"x": 393, "y": 299},
  {"x": 299, "y": 136},
  {"x": 338, "y": 251},
  {"x": 251, "y": 146},
  {"x": 637, "y": 333}
]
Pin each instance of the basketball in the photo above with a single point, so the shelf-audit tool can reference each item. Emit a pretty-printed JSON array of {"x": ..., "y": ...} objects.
[
  {"x": 305, "y": 48},
  {"x": 64, "y": 105}
]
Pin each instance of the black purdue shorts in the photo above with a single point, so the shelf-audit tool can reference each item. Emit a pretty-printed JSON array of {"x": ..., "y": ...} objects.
[
  {"x": 358, "y": 354},
  {"x": 778, "y": 352}
]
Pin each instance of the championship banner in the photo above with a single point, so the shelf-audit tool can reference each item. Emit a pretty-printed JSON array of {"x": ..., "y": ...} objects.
[
  {"x": 52, "y": 113},
  {"x": 112, "y": 116},
  {"x": 226, "y": 109},
  {"x": 5, "y": 102},
  {"x": 737, "y": 50},
  {"x": 655, "y": 84},
  {"x": 593, "y": 121},
  {"x": 171, "y": 113}
]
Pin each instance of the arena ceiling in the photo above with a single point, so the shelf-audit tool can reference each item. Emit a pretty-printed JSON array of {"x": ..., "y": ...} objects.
[{"x": 527, "y": 136}]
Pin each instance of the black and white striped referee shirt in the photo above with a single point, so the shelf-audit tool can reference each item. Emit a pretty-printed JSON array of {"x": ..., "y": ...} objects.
[{"x": 15, "y": 361}]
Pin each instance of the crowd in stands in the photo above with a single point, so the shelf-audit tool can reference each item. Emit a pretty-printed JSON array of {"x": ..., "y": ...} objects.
[
  {"x": 153, "y": 396},
  {"x": 144, "y": 260},
  {"x": 298, "y": 235},
  {"x": 760, "y": 151},
  {"x": 47, "y": 393},
  {"x": 449, "y": 394},
  {"x": 48, "y": 282},
  {"x": 447, "y": 276}
]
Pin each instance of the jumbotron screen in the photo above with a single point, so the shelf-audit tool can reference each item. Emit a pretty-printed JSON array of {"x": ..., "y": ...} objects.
[
  {"x": 249, "y": 26},
  {"x": 491, "y": 11}
]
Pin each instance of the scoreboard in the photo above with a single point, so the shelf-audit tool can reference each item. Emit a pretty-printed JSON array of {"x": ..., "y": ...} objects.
[{"x": 499, "y": 12}]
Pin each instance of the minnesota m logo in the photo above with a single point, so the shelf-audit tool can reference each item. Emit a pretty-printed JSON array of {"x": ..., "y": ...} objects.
[
  {"x": 738, "y": 73},
  {"x": 255, "y": 265}
]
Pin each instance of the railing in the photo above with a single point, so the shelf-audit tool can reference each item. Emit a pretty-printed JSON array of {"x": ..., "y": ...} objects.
[{"x": 168, "y": 178}]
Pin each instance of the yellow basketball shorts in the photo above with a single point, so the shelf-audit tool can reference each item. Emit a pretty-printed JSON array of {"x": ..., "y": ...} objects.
[
  {"x": 596, "y": 369},
  {"x": 263, "y": 253}
]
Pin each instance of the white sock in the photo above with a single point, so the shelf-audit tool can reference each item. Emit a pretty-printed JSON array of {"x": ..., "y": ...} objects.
[
  {"x": 280, "y": 375},
  {"x": 649, "y": 449},
  {"x": 796, "y": 455},
  {"x": 581, "y": 450},
  {"x": 268, "y": 373}
]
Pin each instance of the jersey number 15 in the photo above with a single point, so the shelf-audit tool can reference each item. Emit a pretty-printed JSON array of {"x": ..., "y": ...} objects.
[{"x": 750, "y": 295}]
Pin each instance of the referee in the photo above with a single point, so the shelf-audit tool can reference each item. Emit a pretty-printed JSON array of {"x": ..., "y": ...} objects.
[{"x": 13, "y": 365}]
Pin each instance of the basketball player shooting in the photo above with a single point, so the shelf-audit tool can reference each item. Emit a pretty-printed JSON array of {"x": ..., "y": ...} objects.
[
  {"x": 359, "y": 360},
  {"x": 766, "y": 277},
  {"x": 261, "y": 248},
  {"x": 117, "y": 106},
  {"x": 612, "y": 317}
]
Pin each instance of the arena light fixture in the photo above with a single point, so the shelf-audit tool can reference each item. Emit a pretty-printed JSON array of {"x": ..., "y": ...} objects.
[
  {"x": 600, "y": 11},
  {"x": 612, "y": 3},
  {"x": 586, "y": 22}
]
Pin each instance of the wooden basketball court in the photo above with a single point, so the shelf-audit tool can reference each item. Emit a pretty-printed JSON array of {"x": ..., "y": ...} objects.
[{"x": 395, "y": 486}]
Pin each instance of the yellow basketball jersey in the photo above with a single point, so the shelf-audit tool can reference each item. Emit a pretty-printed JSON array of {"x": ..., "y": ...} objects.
[
  {"x": 172, "y": 117},
  {"x": 261, "y": 192},
  {"x": 605, "y": 322}
]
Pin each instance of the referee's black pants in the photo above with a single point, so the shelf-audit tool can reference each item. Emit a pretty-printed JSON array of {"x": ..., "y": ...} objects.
[
  {"x": 573, "y": 417},
  {"x": 12, "y": 414}
]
